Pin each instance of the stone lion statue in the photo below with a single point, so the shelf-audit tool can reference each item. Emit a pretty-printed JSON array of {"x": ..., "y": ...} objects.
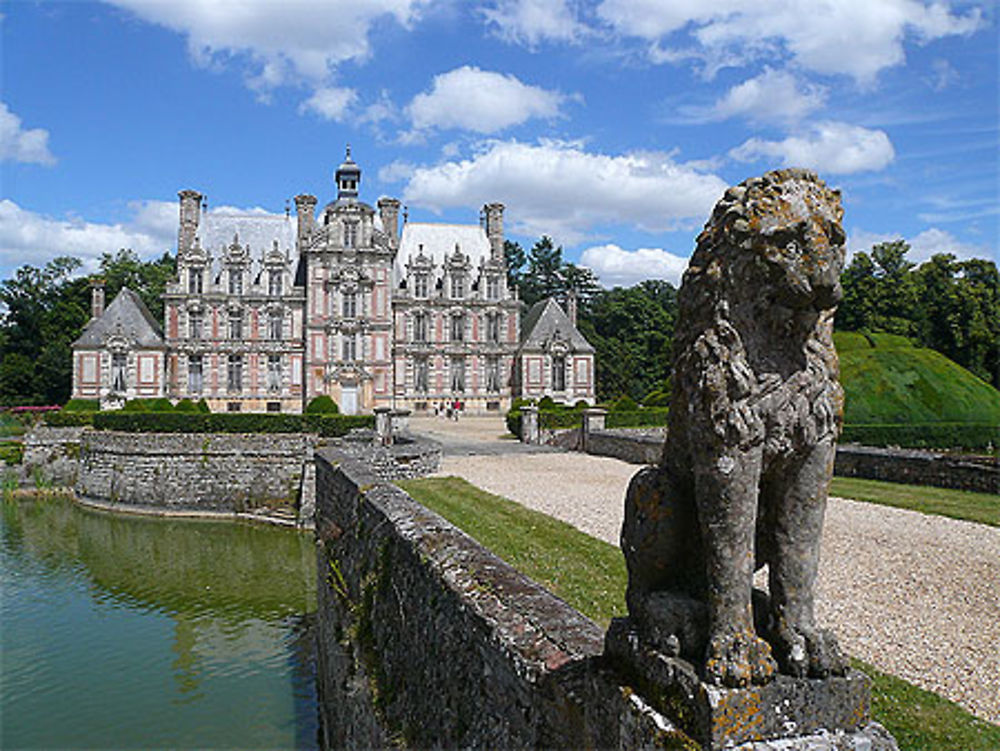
[{"x": 753, "y": 424}]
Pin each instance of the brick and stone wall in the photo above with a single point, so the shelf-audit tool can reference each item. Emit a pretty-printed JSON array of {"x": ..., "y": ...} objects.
[
  {"x": 919, "y": 468},
  {"x": 426, "y": 639},
  {"x": 209, "y": 472}
]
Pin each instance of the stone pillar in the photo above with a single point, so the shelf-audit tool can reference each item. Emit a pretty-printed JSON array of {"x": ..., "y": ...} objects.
[
  {"x": 399, "y": 421},
  {"x": 593, "y": 419},
  {"x": 529, "y": 425},
  {"x": 494, "y": 229},
  {"x": 190, "y": 216},
  {"x": 96, "y": 298},
  {"x": 305, "y": 211},
  {"x": 389, "y": 212},
  {"x": 383, "y": 425}
]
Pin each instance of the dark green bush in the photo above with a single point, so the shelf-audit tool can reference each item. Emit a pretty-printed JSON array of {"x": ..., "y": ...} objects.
[
  {"x": 11, "y": 452},
  {"x": 560, "y": 418},
  {"x": 203, "y": 407},
  {"x": 581, "y": 404},
  {"x": 623, "y": 403},
  {"x": 186, "y": 405},
  {"x": 546, "y": 403},
  {"x": 63, "y": 419},
  {"x": 230, "y": 422},
  {"x": 82, "y": 405},
  {"x": 942, "y": 435},
  {"x": 513, "y": 421},
  {"x": 322, "y": 405},
  {"x": 640, "y": 418}
]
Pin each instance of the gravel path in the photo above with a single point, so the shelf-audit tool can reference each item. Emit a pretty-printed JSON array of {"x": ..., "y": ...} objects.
[{"x": 916, "y": 595}]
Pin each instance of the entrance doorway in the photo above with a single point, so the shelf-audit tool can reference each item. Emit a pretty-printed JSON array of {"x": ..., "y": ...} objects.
[{"x": 349, "y": 399}]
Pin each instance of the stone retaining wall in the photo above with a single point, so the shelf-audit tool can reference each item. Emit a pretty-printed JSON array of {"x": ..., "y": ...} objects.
[
  {"x": 211, "y": 471},
  {"x": 633, "y": 445},
  {"x": 406, "y": 458},
  {"x": 428, "y": 640},
  {"x": 53, "y": 454},
  {"x": 919, "y": 468}
]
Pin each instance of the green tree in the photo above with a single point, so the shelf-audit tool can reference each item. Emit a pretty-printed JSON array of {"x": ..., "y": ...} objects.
[
  {"x": 148, "y": 279},
  {"x": 514, "y": 258}
]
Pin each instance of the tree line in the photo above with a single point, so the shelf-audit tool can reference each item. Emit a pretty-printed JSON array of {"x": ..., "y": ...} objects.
[{"x": 946, "y": 304}]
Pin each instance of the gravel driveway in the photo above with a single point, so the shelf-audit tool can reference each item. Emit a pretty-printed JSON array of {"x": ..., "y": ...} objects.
[{"x": 916, "y": 595}]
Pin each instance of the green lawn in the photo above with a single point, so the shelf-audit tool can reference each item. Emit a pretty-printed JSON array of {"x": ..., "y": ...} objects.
[
  {"x": 590, "y": 575},
  {"x": 958, "y": 504}
]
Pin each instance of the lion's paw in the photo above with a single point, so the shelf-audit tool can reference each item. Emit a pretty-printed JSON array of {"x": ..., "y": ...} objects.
[
  {"x": 812, "y": 653},
  {"x": 738, "y": 658}
]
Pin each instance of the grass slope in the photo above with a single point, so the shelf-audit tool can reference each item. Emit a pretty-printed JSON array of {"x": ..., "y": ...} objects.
[
  {"x": 887, "y": 380},
  {"x": 590, "y": 575}
]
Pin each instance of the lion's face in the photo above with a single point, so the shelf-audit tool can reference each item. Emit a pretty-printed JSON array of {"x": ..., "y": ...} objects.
[{"x": 806, "y": 272}]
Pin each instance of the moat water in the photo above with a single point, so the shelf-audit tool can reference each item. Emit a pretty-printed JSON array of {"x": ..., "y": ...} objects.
[{"x": 136, "y": 632}]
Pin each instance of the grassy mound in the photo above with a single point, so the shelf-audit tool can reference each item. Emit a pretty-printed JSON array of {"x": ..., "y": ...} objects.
[{"x": 889, "y": 381}]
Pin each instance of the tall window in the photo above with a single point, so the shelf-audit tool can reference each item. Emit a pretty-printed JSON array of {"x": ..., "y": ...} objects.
[
  {"x": 194, "y": 325},
  {"x": 274, "y": 325},
  {"x": 558, "y": 373},
  {"x": 119, "y": 371},
  {"x": 420, "y": 286},
  {"x": 457, "y": 286},
  {"x": 458, "y": 374},
  {"x": 493, "y": 327},
  {"x": 457, "y": 327},
  {"x": 274, "y": 282},
  {"x": 350, "y": 234},
  {"x": 235, "y": 281},
  {"x": 274, "y": 373},
  {"x": 420, "y": 327},
  {"x": 492, "y": 287},
  {"x": 234, "y": 374},
  {"x": 195, "y": 380},
  {"x": 492, "y": 373},
  {"x": 236, "y": 327},
  {"x": 420, "y": 379},
  {"x": 350, "y": 306},
  {"x": 350, "y": 348},
  {"x": 195, "y": 277}
]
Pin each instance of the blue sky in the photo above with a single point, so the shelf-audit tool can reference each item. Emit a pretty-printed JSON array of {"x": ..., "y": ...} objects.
[{"x": 611, "y": 125}]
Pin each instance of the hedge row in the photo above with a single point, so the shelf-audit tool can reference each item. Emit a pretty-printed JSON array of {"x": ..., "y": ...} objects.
[
  {"x": 230, "y": 422},
  {"x": 640, "y": 418},
  {"x": 68, "y": 419},
  {"x": 942, "y": 435}
]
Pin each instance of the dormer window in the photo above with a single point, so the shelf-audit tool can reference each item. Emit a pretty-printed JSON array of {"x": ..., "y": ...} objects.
[
  {"x": 236, "y": 281},
  {"x": 492, "y": 288},
  {"x": 350, "y": 234},
  {"x": 274, "y": 283},
  {"x": 457, "y": 286},
  {"x": 420, "y": 286},
  {"x": 195, "y": 277}
]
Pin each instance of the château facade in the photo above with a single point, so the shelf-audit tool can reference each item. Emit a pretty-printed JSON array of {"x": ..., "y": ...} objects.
[{"x": 268, "y": 312}]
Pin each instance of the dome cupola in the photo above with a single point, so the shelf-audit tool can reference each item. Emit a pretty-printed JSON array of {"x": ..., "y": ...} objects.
[{"x": 348, "y": 177}]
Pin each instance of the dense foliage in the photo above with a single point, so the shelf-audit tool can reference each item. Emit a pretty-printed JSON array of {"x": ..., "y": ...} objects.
[
  {"x": 43, "y": 310},
  {"x": 230, "y": 422}
]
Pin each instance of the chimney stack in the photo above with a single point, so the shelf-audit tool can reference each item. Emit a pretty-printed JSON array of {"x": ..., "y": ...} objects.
[
  {"x": 305, "y": 209},
  {"x": 571, "y": 305},
  {"x": 494, "y": 229},
  {"x": 190, "y": 216},
  {"x": 96, "y": 298},
  {"x": 389, "y": 212}
]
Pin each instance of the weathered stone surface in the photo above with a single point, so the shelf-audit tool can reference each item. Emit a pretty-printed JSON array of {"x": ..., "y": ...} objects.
[
  {"x": 754, "y": 419},
  {"x": 405, "y": 458},
  {"x": 52, "y": 454},
  {"x": 974, "y": 473}
]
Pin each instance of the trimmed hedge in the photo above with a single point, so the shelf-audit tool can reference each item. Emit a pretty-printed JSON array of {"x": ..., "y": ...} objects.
[
  {"x": 322, "y": 405},
  {"x": 63, "y": 419},
  {"x": 82, "y": 405},
  {"x": 640, "y": 418},
  {"x": 560, "y": 418},
  {"x": 330, "y": 426},
  {"x": 942, "y": 435}
]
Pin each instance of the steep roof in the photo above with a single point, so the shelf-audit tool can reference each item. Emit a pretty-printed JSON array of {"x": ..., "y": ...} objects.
[
  {"x": 545, "y": 320},
  {"x": 438, "y": 241},
  {"x": 128, "y": 317},
  {"x": 259, "y": 231}
]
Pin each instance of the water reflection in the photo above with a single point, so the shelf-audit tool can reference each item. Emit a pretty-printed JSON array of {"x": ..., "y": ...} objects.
[{"x": 138, "y": 632}]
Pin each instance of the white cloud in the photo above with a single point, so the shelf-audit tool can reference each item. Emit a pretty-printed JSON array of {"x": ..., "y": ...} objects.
[
  {"x": 858, "y": 38},
  {"x": 20, "y": 145},
  {"x": 529, "y": 22},
  {"x": 481, "y": 101},
  {"x": 330, "y": 103},
  {"x": 773, "y": 96},
  {"x": 284, "y": 42},
  {"x": 558, "y": 188},
  {"x": 923, "y": 245},
  {"x": 29, "y": 237},
  {"x": 831, "y": 147},
  {"x": 618, "y": 267}
]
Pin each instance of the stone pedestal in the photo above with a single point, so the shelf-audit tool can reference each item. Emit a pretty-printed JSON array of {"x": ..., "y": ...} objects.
[
  {"x": 763, "y": 717},
  {"x": 529, "y": 425},
  {"x": 383, "y": 425},
  {"x": 593, "y": 419}
]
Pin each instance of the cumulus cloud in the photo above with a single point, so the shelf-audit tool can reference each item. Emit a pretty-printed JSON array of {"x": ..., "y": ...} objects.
[
  {"x": 773, "y": 96},
  {"x": 281, "y": 43},
  {"x": 830, "y": 147},
  {"x": 923, "y": 245},
  {"x": 617, "y": 267},
  {"x": 481, "y": 101},
  {"x": 330, "y": 103},
  {"x": 858, "y": 38},
  {"x": 20, "y": 145},
  {"x": 529, "y": 22},
  {"x": 559, "y": 188}
]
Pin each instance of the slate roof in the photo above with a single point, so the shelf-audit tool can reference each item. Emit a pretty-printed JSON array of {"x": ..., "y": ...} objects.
[
  {"x": 259, "y": 231},
  {"x": 438, "y": 241},
  {"x": 128, "y": 317},
  {"x": 546, "y": 318}
]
